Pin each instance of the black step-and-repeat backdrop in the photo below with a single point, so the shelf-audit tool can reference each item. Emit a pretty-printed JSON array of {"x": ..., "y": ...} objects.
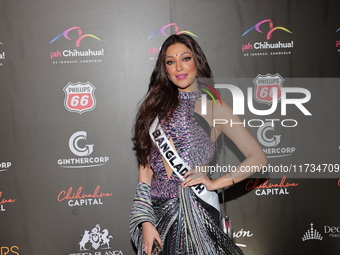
[{"x": 73, "y": 72}]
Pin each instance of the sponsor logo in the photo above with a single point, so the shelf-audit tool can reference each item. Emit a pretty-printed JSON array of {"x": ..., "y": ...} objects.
[
  {"x": 332, "y": 231},
  {"x": 4, "y": 201},
  {"x": 271, "y": 28},
  {"x": 337, "y": 42},
  {"x": 312, "y": 234},
  {"x": 265, "y": 48},
  {"x": 79, "y": 97},
  {"x": 80, "y": 198},
  {"x": 153, "y": 52},
  {"x": 76, "y": 55},
  {"x": 96, "y": 240},
  {"x": 78, "y": 148},
  {"x": 9, "y": 250},
  {"x": 242, "y": 234},
  {"x": 264, "y": 86},
  {"x": 2, "y": 55},
  {"x": 267, "y": 137},
  {"x": 80, "y": 36},
  {"x": 264, "y": 188},
  {"x": 4, "y": 166}
]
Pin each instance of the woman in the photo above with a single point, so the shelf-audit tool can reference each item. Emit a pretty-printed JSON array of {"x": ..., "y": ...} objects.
[{"x": 169, "y": 207}]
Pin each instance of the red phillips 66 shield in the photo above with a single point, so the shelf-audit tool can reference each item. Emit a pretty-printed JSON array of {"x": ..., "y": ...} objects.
[
  {"x": 264, "y": 85},
  {"x": 79, "y": 97}
]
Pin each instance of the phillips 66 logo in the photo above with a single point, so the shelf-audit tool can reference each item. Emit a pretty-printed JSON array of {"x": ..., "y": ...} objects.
[
  {"x": 79, "y": 97},
  {"x": 264, "y": 85}
]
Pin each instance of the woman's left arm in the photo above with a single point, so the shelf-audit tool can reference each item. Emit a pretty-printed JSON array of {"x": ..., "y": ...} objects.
[{"x": 245, "y": 142}]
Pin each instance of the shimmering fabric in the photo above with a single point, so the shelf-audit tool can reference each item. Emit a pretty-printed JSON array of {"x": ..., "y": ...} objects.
[
  {"x": 191, "y": 142},
  {"x": 187, "y": 225}
]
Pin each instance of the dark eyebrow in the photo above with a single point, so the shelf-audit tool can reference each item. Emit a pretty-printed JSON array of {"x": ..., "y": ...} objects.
[{"x": 185, "y": 52}]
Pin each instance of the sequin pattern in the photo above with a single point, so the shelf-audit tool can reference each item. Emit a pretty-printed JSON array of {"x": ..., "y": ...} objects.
[{"x": 191, "y": 142}]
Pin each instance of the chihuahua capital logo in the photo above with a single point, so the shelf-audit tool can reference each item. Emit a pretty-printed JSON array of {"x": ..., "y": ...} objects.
[
  {"x": 271, "y": 28},
  {"x": 79, "y": 39}
]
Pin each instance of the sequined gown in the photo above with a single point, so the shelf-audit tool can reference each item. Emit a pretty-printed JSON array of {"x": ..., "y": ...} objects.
[{"x": 186, "y": 224}]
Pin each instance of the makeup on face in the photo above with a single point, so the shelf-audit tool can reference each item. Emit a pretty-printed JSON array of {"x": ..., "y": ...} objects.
[{"x": 180, "y": 66}]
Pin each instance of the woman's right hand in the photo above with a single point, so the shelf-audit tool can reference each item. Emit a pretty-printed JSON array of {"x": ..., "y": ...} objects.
[{"x": 149, "y": 235}]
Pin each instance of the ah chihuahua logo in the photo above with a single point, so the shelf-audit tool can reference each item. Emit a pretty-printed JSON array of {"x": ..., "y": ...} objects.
[
  {"x": 79, "y": 39},
  {"x": 177, "y": 32},
  {"x": 271, "y": 28}
]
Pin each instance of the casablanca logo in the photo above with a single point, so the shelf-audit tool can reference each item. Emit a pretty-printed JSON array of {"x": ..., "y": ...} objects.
[
  {"x": 96, "y": 238},
  {"x": 79, "y": 97},
  {"x": 177, "y": 32},
  {"x": 80, "y": 36},
  {"x": 271, "y": 28},
  {"x": 266, "y": 137},
  {"x": 312, "y": 234},
  {"x": 264, "y": 86}
]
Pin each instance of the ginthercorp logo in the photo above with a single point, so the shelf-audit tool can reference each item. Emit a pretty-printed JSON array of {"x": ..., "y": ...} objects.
[
  {"x": 9, "y": 250},
  {"x": 153, "y": 52},
  {"x": 73, "y": 56},
  {"x": 4, "y": 166},
  {"x": 97, "y": 240},
  {"x": 80, "y": 148},
  {"x": 254, "y": 47},
  {"x": 4, "y": 201},
  {"x": 265, "y": 188},
  {"x": 312, "y": 234},
  {"x": 79, "y": 97},
  {"x": 74, "y": 147},
  {"x": 78, "y": 197},
  {"x": 267, "y": 137}
]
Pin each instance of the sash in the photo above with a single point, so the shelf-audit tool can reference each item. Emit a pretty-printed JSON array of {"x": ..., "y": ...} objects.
[{"x": 178, "y": 165}]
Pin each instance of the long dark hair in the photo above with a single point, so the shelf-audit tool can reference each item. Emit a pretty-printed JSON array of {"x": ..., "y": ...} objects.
[{"x": 162, "y": 97}]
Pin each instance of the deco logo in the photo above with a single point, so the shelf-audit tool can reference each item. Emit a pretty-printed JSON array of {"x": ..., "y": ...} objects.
[
  {"x": 78, "y": 146},
  {"x": 333, "y": 231},
  {"x": 266, "y": 136}
]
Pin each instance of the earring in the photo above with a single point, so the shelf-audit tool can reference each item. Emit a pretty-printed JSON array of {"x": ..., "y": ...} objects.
[{"x": 168, "y": 77}]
